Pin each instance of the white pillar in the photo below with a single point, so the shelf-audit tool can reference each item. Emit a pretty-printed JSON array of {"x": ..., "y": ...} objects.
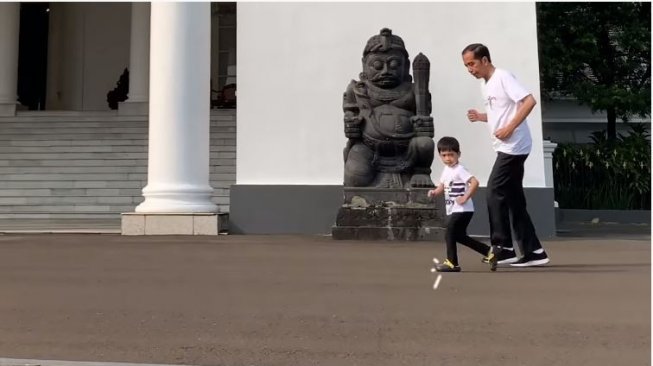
[
  {"x": 215, "y": 46},
  {"x": 139, "y": 60},
  {"x": 9, "y": 28},
  {"x": 549, "y": 147},
  {"x": 178, "y": 159}
]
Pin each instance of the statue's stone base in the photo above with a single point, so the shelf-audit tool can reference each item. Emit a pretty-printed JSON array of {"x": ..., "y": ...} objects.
[{"x": 389, "y": 214}]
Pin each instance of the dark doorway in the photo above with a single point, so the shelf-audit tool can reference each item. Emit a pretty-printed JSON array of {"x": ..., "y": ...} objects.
[{"x": 33, "y": 54}]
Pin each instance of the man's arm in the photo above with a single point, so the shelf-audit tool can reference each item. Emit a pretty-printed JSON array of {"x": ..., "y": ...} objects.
[
  {"x": 475, "y": 116},
  {"x": 524, "y": 108}
]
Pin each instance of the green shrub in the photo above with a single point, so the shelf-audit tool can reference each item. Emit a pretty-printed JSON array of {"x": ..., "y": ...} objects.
[{"x": 605, "y": 175}]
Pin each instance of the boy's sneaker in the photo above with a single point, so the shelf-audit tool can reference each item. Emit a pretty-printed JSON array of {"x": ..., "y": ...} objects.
[
  {"x": 506, "y": 256},
  {"x": 493, "y": 256},
  {"x": 532, "y": 259},
  {"x": 447, "y": 266}
]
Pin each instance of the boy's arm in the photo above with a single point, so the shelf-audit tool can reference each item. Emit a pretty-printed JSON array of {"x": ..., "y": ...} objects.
[
  {"x": 438, "y": 190},
  {"x": 473, "y": 186}
]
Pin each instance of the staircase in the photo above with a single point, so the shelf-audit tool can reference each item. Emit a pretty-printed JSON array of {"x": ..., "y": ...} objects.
[{"x": 91, "y": 165}]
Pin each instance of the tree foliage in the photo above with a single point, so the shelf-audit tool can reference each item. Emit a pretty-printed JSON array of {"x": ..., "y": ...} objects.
[{"x": 599, "y": 53}]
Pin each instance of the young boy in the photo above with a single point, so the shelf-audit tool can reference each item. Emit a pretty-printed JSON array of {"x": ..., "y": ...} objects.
[{"x": 458, "y": 186}]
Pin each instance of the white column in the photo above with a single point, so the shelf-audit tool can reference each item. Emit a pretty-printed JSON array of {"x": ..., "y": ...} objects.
[
  {"x": 549, "y": 147},
  {"x": 215, "y": 46},
  {"x": 9, "y": 28},
  {"x": 178, "y": 159},
  {"x": 139, "y": 60}
]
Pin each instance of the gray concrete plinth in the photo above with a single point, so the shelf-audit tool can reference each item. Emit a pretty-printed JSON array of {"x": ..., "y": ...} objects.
[{"x": 136, "y": 223}]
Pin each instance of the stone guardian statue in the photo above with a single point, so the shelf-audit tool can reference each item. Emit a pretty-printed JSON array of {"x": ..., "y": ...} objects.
[{"x": 387, "y": 119}]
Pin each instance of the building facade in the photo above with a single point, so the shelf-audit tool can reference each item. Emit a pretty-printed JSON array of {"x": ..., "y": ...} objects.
[{"x": 276, "y": 162}]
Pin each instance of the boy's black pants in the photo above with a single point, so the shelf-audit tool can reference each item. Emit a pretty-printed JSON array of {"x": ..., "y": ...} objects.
[
  {"x": 505, "y": 196},
  {"x": 457, "y": 232}
]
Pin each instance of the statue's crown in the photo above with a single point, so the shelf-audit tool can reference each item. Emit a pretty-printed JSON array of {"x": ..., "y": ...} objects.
[{"x": 384, "y": 42}]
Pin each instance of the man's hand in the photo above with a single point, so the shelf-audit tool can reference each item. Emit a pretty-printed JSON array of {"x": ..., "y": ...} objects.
[
  {"x": 474, "y": 116},
  {"x": 431, "y": 193},
  {"x": 524, "y": 107},
  {"x": 461, "y": 200},
  {"x": 503, "y": 133}
]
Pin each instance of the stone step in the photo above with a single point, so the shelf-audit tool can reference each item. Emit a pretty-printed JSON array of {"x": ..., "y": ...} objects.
[
  {"x": 127, "y": 177},
  {"x": 114, "y": 184},
  {"x": 64, "y": 192},
  {"x": 88, "y": 135},
  {"x": 74, "y": 130},
  {"x": 90, "y": 163},
  {"x": 79, "y": 225},
  {"x": 26, "y": 201},
  {"x": 140, "y": 168},
  {"x": 86, "y": 192},
  {"x": 92, "y": 184},
  {"x": 98, "y": 122},
  {"x": 94, "y": 116},
  {"x": 142, "y": 148},
  {"x": 58, "y": 215},
  {"x": 69, "y": 200},
  {"x": 214, "y": 146},
  {"x": 70, "y": 215},
  {"x": 75, "y": 177},
  {"x": 67, "y": 208},
  {"x": 95, "y": 155},
  {"x": 82, "y": 166},
  {"x": 60, "y": 162},
  {"x": 75, "y": 142},
  {"x": 71, "y": 184}
]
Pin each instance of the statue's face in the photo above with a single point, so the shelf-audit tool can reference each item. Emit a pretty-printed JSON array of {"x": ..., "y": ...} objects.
[{"x": 385, "y": 70}]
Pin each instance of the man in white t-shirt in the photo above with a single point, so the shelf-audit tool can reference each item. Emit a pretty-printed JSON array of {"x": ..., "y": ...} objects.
[{"x": 507, "y": 104}]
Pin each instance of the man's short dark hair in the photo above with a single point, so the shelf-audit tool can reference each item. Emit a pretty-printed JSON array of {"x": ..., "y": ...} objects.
[
  {"x": 448, "y": 143},
  {"x": 479, "y": 50}
]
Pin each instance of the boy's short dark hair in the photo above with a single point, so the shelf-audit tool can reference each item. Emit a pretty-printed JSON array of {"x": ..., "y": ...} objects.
[
  {"x": 479, "y": 50},
  {"x": 448, "y": 143}
]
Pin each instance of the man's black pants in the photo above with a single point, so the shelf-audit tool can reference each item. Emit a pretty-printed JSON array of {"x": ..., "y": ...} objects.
[
  {"x": 457, "y": 232},
  {"x": 505, "y": 196}
]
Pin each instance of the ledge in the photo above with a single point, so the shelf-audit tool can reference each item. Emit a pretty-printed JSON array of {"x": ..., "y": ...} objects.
[
  {"x": 616, "y": 216},
  {"x": 200, "y": 223}
]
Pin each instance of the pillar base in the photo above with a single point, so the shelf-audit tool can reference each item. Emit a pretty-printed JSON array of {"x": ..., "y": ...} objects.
[
  {"x": 133, "y": 108},
  {"x": 137, "y": 223},
  {"x": 7, "y": 109}
]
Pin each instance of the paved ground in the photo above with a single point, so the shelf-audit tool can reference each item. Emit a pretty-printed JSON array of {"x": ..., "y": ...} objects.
[{"x": 302, "y": 300}]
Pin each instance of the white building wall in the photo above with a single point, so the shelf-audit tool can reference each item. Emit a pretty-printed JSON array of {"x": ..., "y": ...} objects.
[{"x": 296, "y": 59}]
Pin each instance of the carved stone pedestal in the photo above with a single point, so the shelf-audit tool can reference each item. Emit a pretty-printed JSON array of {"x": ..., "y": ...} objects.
[{"x": 389, "y": 214}]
